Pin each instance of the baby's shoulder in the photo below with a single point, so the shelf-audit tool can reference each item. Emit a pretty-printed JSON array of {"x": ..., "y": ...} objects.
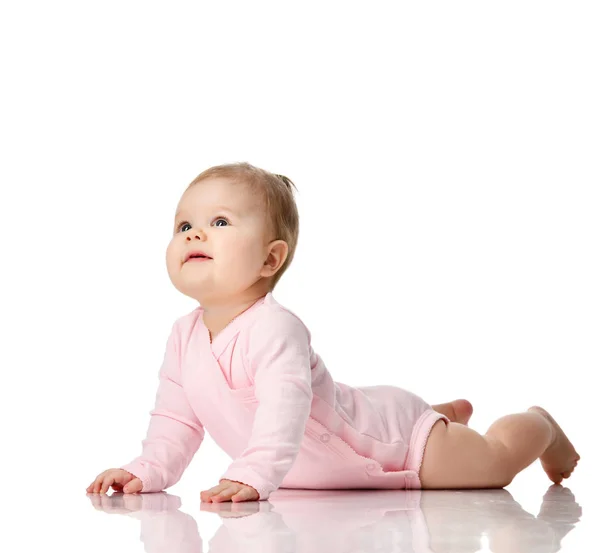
[{"x": 274, "y": 319}]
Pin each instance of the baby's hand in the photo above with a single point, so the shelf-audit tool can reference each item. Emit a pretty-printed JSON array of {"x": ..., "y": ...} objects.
[
  {"x": 120, "y": 480},
  {"x": 228, "y": 490}
]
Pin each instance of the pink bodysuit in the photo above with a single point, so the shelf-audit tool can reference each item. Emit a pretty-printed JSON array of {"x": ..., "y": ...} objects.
[{"x": 269, "y": 402}]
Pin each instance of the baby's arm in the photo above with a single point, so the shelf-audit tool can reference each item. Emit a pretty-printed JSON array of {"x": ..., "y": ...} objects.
[
  {"x": 279, "y": 354},
  {"x": 174, "y": 432}
]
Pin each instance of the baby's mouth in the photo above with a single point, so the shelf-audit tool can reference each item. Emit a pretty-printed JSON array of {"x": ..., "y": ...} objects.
[
  {"x": 196, "y": 256},
  {"x": 198, "y": 259}
]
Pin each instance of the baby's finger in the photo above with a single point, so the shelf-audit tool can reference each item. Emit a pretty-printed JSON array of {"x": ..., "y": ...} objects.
[
  {"x": 90, "y": 488},
  {"x": 243, "y": 495},
  {"x": 134, "y": 486},
  {"x": 96, "y": 484},
  {"x": 225, "y": 495},
  {"x": 108, "y": 480},
  {"x": 214, "y": 489},
  {"x": 207, "y": 494}
]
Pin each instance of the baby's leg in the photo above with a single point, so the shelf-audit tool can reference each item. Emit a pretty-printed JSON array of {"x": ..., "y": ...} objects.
[{"x": 458, "y": 457}]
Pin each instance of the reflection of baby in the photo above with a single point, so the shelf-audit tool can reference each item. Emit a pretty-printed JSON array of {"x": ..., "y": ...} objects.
[
  {"x": 241, "y": 366},
  {"x": 453, "y": 518},
  {"x": 340, "y": 521}
]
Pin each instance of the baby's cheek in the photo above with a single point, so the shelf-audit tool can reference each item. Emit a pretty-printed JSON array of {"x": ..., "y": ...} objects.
[{"x": 171, "y": 259}]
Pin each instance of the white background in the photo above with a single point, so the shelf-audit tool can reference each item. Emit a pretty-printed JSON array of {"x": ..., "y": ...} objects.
[{"x": 447, "y": 161}]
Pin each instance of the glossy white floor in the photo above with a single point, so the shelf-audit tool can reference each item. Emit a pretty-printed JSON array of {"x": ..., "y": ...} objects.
[{"x": 529, "y": 516}]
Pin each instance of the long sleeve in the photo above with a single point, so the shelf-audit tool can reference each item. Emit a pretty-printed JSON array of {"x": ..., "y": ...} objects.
[
  {"x": 279, "y": 353},
  {"x": 174, "y": 432}
]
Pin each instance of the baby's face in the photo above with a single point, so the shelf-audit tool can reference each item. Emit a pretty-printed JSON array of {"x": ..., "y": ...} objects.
[{"x": 222, "y": 220}]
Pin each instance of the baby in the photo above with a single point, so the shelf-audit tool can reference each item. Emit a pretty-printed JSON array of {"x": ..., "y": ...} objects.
[{"x": 241, "y": 366}]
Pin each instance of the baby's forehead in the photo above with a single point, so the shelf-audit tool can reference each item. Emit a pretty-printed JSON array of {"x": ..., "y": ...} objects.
[{"x": 220, "y": 194}]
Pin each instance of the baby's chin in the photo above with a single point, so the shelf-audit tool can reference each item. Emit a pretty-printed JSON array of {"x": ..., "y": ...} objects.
[
  {"x": 204, "y": 292},
  {"x": 199, "y": 284},
  {"x": 194, "y": 290}
]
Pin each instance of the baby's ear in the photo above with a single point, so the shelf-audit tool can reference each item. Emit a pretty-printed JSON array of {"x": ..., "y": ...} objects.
[{"x": 277, "y": 255}]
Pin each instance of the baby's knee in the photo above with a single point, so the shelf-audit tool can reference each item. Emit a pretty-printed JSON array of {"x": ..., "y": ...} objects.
[
  {"x": 502, "y": 478},
  {"x": 502, "y": 472}
]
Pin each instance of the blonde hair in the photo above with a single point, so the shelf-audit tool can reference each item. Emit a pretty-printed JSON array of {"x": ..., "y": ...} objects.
[{"x": 275, "y": 192}]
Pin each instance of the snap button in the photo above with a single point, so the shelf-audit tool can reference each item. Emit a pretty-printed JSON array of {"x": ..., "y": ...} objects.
[
  {"x": 325, "y": 437},
  {"x": 371, "y": 466}
]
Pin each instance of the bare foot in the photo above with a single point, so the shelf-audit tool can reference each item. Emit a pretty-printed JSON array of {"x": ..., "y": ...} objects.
[
  {"x": 560, "y": 459},
  {"x": 459, "y": 410}
]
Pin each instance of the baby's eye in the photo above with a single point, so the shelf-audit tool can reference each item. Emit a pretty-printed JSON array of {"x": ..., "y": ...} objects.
[
  {"x": 185, "y": 223},
  {"x": 222, "y": 219}
]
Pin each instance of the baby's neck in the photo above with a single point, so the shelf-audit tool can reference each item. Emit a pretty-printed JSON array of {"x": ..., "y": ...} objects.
[{"x": 217, "y": 317}]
